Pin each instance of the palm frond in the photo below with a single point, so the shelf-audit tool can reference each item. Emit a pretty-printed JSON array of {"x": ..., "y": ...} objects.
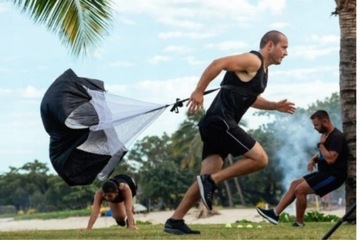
[{"x": 80, "y": 24}]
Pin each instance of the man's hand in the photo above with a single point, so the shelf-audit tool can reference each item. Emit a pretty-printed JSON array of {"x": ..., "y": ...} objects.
[
  {"x": 196, "y": 101},
  {"x": 323, "y": 138},
  {"x": 285, "y": 106},
  {"x": 311, "y": 165}
]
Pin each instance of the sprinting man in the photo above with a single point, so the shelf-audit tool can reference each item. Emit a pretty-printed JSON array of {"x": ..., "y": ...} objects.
[
  {"x": 245, "y": 79},
  {"x": 331, "y": 162},
  {"x": 119, "y": 192}
]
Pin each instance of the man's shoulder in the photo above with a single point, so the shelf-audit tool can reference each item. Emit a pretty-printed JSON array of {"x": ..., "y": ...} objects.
[
  {"x": 337, "y": 137},
  {"x": 338, "y": 132}
]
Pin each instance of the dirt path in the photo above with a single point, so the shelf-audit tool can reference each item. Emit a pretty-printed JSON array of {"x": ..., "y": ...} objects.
[{"x": 225, "y": 216}]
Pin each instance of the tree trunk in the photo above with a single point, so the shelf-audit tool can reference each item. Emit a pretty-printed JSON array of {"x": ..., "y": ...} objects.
[
  {"x": 346, "y": 10},
  {"x": 237, "y": 184},
  {"x": 239, "y": 190},
  {"x": 228, "y": 192}
]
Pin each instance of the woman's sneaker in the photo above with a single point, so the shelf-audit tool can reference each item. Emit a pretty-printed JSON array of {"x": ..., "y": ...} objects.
[
  {"x": 121, "y": 223},
  {"x": 178, "y": 227},
  {"x": 124, "y": 222},
  {"x": 268, "y": 214},
  {"x": 296, "y": 224}
]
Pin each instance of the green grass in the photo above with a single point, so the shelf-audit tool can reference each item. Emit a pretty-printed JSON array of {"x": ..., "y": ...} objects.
[
  {"x": 282, "y": 231},
  {"x": 55, "y": 215}
]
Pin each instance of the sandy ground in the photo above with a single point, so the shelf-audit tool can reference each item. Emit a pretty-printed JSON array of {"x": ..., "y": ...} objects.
[{"x": 225, "y": 216}]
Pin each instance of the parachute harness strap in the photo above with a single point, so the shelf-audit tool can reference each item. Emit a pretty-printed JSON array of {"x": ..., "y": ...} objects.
[{"x": 179, "y": 103}]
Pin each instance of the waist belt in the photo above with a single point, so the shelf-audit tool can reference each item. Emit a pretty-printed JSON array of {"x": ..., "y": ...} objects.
[{"x": 240, "y": 90}]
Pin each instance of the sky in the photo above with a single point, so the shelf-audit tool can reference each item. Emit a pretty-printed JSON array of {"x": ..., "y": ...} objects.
[{"x": 156, "y": 51}]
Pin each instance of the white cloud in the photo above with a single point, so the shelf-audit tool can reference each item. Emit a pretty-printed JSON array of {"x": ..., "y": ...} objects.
[
  {"x": 160, "y": 91},
  {"x": 274, "y": 7},
  {"x": 117, "y": 89},
  {"x": 158, "y": 58},
  {"x": 311, "y": 52},
  {"x": 325, "y": 39},
  {"x": 27, "y": 92},
  {"x": 121, "y": 64},
  {"x": 126, "y": 21},
  {"x": 192, "y": 60},
  {"x": 5, "y": 91},
  {"x": 177, "y": 49},
  {"x": 228, "y": 45},
  {"x": 301, "y": 93},
  {"x": 4, "y": 7},
  {"x": 279, "y": 25},
  {"x": 303, "y": 73},
  {"x": 31, "y": 92},
  {"x": 190, "y": 14},
  {"x": 186, "y": 24},
  {"x": 188, "y": 35}
]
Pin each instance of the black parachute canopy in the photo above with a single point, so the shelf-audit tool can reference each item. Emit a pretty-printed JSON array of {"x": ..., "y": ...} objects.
[{"x": 89, "y": 128}]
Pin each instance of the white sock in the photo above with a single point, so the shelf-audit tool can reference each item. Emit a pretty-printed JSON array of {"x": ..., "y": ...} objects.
[{"x": 275, "y": 212}]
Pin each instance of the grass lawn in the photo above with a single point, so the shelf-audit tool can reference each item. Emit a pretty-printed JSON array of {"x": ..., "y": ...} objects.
[{"x": 282, "y": 231}]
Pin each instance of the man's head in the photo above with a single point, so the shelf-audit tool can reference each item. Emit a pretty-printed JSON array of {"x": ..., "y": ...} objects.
[
  {"x": 274, "y": 45},
  {"x": 110, "y": 190},
  {"x": 321, "y": 121}
]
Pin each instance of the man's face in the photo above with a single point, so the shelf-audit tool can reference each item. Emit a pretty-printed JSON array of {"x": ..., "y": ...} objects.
[
  {"x": 279, "y": 51},
  {"x": 319, "y": 125}
]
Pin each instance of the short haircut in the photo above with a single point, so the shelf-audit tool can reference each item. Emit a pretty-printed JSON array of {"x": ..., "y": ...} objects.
[
  {"x": 272, "y": 35},
  {"x": 109, "y": 187},
  {"x": 320, "y": 114}
]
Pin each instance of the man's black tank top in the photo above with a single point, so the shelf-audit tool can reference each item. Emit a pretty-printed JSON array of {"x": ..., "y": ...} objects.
[{"x": 235, "y": 97}]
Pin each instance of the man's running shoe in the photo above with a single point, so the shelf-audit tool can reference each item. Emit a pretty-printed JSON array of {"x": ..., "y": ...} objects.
[
  {"x": 269, "y": 214},
  {"x": 207, "y": 188},
  {"x": 178, "y": 227}
]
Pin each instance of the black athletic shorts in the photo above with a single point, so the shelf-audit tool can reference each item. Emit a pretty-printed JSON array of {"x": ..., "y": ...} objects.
[
  {"x": 223, "y": 137},
  {"x": 324, "y": 182}
]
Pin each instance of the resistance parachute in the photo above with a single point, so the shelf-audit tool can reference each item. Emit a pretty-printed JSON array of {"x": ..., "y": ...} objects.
[{"x": 89, "y": 128}]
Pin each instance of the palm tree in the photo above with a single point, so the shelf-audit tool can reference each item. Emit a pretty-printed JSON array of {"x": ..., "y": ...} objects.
[
  {"x": 186, "y": 140},
  {"x": 346, "y": 10},
  {"x": 80, "y": 24}
]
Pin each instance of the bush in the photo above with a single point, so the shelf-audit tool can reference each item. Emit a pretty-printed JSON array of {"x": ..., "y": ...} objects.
[
  {"x": 7, "y": 209},
  {"x": 315, "y": 216},
  {"x": 311, "y": 216}
]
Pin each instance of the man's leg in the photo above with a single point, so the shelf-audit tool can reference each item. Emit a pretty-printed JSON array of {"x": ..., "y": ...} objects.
[
  {"x": 254, "y": 160},
  {"x": 176, "y": 224},
  {"x": 272, "y": 215},
  {"x": 289, "y": 196},
  {"x": 301, "y": 192},
  {"x": 209, "y": 165}
]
